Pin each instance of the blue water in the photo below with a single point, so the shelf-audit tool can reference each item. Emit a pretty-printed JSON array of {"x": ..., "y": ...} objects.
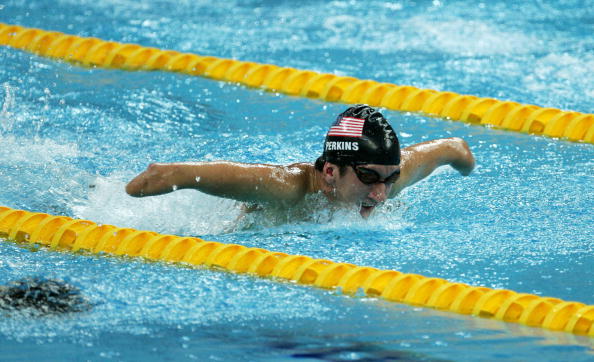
[{"x": 72, "y": 138}]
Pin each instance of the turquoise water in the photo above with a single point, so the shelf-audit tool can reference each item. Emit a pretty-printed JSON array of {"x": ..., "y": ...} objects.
[{"x": 72, "y": 138}]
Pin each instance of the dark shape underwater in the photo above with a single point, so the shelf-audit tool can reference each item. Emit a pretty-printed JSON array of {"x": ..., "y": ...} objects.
[{"x": 41, "y": 296}]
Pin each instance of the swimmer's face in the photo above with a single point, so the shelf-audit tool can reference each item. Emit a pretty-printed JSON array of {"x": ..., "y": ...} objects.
[{"x": 353, "y": 186}]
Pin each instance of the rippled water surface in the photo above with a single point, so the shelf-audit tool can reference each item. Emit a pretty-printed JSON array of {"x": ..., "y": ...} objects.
[{"x": 72, "y": 137}]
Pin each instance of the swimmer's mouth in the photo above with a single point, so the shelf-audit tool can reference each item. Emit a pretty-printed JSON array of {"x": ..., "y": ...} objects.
[{"x": 366, "y": 209}]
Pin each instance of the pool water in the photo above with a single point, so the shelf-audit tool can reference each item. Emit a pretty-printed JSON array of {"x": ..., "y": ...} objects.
[{"x": 73, "y": 137}]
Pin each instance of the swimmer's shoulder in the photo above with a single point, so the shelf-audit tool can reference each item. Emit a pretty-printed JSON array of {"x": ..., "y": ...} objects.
[
  {"x": 301, "y": 167},
  {"x": 302, "y": 170},
  {"x": 285, "y": 185},
  {"x": 300, "y": 175}
]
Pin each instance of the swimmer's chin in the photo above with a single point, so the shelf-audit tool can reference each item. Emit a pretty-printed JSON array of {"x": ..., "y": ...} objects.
[{"x": 365, "y": 211}]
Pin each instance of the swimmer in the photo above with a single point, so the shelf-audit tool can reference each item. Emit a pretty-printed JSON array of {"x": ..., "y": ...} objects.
[
  {"x": 42, "y": 296},
  {"x": 361, "y": 165}
]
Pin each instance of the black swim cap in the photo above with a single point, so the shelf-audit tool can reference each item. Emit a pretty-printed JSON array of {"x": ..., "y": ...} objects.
[{"x": 361, "y": 135}]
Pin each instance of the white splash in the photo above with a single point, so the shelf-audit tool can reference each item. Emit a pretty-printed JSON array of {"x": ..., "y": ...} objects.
[
  {"x": 5, "y": 115},
  {"x": 184, "y": 212}
]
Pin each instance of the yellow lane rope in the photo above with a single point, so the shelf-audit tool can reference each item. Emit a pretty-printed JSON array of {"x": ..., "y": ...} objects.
[
  {"x": 64, "y": 233},
  {"x": 507, "y": 115}
]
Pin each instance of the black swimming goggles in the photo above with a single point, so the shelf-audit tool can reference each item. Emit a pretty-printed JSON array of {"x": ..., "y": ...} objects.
[{"x": 370, "y": 177}]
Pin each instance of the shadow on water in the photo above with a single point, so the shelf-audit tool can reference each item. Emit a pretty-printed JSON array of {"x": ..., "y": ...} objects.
[{"x": 347, "y": 351}]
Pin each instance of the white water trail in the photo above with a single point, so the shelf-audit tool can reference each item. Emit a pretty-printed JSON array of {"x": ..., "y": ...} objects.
[{"x": 6, "y": 120}]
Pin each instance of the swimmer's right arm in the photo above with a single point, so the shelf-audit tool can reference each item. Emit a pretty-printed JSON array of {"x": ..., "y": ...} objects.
[
  {"x": 420, "y": 160},
  {"x": 243, "y": 182}
]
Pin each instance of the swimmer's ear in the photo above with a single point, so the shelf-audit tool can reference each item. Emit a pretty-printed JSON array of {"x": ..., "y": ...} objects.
[{"x": 330, "y": 172}]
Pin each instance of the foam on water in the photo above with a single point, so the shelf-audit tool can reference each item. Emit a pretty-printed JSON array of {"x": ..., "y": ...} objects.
[
  {"x": 562, "y": 75},
  {"x": 467, "y": 37},
  {"x": 185, "y": 212}
]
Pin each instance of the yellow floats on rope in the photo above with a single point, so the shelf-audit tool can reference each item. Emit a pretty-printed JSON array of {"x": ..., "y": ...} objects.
[
  {"x": 506, "y": 115},
  {"x": 64, "y": 233}
]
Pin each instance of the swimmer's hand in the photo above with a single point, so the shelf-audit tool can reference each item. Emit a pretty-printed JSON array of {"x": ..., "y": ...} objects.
[
  {"x": 462, "y": 159},
  {"x": 157, "y": 179}
]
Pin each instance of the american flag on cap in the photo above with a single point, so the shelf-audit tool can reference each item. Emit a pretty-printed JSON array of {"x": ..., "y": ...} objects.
[{"x": 347, "y": 127}]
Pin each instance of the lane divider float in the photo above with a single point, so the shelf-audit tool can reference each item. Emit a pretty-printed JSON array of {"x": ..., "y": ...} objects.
[
  {"x": 66, "y": 234},
  {"x": 507, "y": 115}
]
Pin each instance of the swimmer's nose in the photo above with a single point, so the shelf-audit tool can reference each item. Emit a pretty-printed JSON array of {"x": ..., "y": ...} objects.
[{"x": 378, "y": 192}]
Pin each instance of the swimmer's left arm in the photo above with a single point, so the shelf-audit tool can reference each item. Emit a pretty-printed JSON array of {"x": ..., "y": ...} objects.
[{"x": 420, "y": 160}]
